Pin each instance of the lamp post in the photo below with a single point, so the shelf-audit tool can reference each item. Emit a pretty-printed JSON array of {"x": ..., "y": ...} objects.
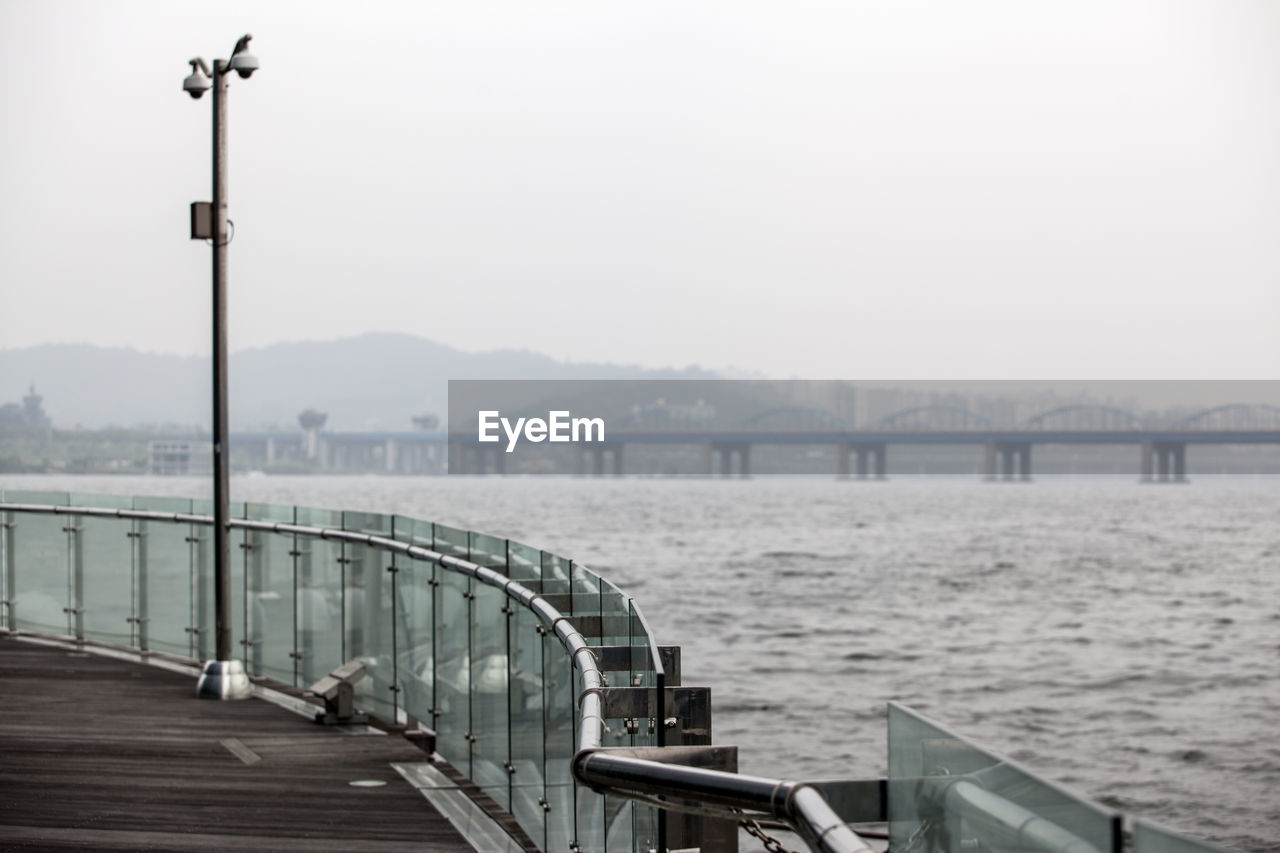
[{"x": 224, "y": 677}]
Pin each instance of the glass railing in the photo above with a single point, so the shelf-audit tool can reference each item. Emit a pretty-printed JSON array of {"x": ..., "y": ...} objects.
[
  {"x": 491, "y": 679},
  {"x": 541, "y": 680}
]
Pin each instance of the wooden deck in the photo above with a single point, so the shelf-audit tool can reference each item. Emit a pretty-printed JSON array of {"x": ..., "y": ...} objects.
[{"x": 98, "y": 753}]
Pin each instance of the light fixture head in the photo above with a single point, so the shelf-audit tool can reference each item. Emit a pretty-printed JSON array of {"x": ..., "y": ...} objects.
[
  {"x": 197, "y": 82},
  {"x": 244, "y": 64}
]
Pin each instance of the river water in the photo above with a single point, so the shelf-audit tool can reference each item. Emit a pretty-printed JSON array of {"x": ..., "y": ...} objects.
[{"x": 1122, "y": 639}]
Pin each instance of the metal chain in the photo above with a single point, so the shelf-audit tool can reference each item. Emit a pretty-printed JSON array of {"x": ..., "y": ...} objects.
[{"x": 755, "y": 830}]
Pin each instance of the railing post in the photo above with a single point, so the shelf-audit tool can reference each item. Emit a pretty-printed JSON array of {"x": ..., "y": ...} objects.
[
  {"x": 294, "y": 553},
  {"x": 394, "y": 569},
  {"x": 140, "y": 588},
  {"x": 7, "y": 577},
  {"x": 76, "y": 544},
  {"x": 202, "y": 591}
]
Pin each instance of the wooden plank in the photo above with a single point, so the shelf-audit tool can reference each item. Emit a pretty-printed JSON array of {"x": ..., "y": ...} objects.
[{"x": 107, "y": 754}]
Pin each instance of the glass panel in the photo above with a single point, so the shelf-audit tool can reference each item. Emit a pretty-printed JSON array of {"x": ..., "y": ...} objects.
[
  {"x": 528, "y": 789},
  {"x": 489, "y": 720},
  {"x": 367, "y": 614},
  {"x": 524, "y": 564},
  {"x": 320, "y": 582},
  {"x": 642, "y": 664},
  {"x": 1152, "y": 838},
  {"x": 559, "y": 726},
  {"x": 555, "y": 576},
  {"x": 452, "y": 541},
  {"x": 107, "y": 554},
  {"x": 453, "y": 670},
  {"x": 100, "y": 501},
  {"x": 204, "y": 601},
  {"x": 584, "y": 601},
  {"x": 6, "y": 568},
  {"x": 489, "y": 551},
  {"x": 173, "y": 570},
  {"x": 41, "y": 497},
  {"x": 946, "y": 793},
  {"x": 615, "y": 616},
  {"x": 592, "y": 818},
  {"x": 415, "y": 624},
  {"x": 270, "y": 592},
  {"x": 40, "y": 568}
]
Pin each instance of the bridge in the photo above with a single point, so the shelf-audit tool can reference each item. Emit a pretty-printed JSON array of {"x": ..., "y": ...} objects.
[
  {"x": 859, "y": 452},
  {"x": 862, "y": 453}
]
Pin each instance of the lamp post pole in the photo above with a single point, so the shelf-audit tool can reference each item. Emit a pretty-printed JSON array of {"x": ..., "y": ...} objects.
[
  {"x": 221, "y": 451},
  {"x": 224, "y": 677}
]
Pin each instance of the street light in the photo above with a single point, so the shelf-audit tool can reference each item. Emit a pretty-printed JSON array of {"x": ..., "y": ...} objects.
[{"x": 223, "y": 678}]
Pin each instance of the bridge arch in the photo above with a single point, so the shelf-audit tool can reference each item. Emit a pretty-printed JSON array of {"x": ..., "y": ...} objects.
[
  {"x": 1084, "y": 416},
  {"x": 1233, "y": 416},
  {"x": 925, "y": 418}
]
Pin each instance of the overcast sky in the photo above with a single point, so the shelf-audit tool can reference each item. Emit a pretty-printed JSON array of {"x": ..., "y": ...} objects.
[{"x": 951, "y": 189}]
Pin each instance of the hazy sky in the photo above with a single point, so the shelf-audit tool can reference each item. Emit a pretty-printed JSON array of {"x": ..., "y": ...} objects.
[{"x": 813, "y": 189}]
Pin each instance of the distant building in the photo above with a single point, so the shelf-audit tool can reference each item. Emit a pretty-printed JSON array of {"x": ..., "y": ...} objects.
[{"x": 172, "y": 458}]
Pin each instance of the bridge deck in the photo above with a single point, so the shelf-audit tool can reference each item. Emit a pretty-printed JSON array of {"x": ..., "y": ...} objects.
[{"x": 107, "y": 754}]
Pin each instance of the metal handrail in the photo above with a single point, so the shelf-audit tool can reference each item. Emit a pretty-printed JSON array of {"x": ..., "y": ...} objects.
[{"x": 669, "y": 786}]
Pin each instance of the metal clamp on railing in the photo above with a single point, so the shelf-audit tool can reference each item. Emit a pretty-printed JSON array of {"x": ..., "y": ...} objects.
[{"x": 338, "y": 691}]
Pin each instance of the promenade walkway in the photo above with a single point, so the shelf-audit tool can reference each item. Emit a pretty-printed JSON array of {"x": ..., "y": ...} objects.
[{"x": 99, "y": 753}]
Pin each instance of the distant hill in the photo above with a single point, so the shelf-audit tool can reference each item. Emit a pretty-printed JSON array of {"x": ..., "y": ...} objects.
[{"x": 374, "y": 381}]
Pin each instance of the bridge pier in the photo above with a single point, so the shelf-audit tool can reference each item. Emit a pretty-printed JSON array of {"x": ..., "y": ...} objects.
[
  {"x": 727, "y": 452},
  {"x": 866, "y": 455},
  {"x": 1007, "y": 461},
  {"x": 1164, "y": 462},
  {"x": 597, "y": 460},
  {"x": 470, "y": 459}
]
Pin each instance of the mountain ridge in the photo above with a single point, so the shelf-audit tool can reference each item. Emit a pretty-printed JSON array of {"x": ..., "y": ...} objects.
[{"x": 376, "y": 380}]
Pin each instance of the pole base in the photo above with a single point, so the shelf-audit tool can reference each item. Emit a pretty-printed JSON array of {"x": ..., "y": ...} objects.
[{"x": 223, "y": 679}]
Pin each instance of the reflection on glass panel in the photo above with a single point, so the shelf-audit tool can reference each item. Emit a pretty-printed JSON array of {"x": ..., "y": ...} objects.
[
  {"x": 592, "y": 820},
  {"x": 946, "y": 793},
  {"x": 451, "y": 541},
  {"x": 555, "y": 576},
  {"x": 615, "y": 616},
  {"x": 270, "y": 596},
  {"x": 107, "y": 577},
  {"x": 368, "y": 612},
  {"x": 559, "y": 717},
  {"x": 488, "y": 551},
  {"x": 524, "y": 565},
  {"x": 320, "y": 584},
  {"x": 415, "y": 623},
  {"x": 528, "y": 788},
  {"x": 40, "y": 553},
  {"x": 584, "y": 580},
  {"x": 585, "y": 603},
  {"x": 173, "y": 571},
  {"x": 642, "y": 662},
  {"x": 644, "y": 824},
  {"x": 1153, "y": 838},
  {"x": 490, "y": 754},
  {"x": 453, "y": 670}
]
